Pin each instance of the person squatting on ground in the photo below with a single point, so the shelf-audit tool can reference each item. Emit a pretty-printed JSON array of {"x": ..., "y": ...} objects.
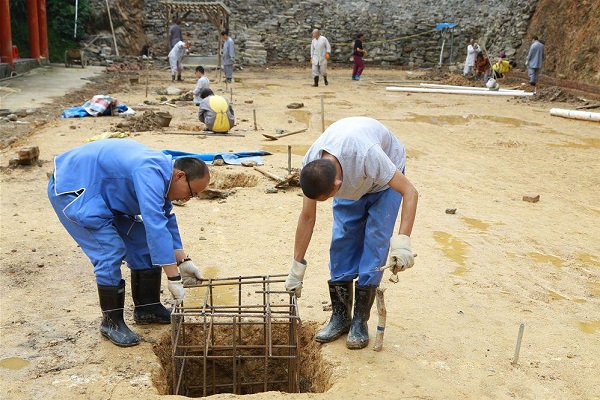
[
  {"x": 359, "y": 163},
  {"x": 175, "y": 56},
  {"x": 320, "y": 52},
  {"x": 215, "y": 112},
  {"x": 502, "y": 67},
  {"x": 359, "y": 52},
  {"x": 472, "y": 50},
  {"x": 534, "y": 60},
  {"x": 113, "y": 196},
  {"x": 203, "y": 83},
  {"x": 175, "y": 34},
  {"x": 228, "y": 56}
]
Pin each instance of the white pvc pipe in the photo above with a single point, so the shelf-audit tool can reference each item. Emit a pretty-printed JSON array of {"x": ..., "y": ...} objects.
[
  {"x": 457, "y": 91},
  {"x": 575, "y": 114},
  {"x": 438, "y": 86}
]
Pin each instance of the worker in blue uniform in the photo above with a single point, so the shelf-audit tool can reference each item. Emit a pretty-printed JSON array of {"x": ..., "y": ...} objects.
[
  {"x": 114, "y": 198},
  {"x": 360, "y": 163}
]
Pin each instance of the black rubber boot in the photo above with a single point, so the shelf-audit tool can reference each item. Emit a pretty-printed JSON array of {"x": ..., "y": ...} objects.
[
  {"x": 172, "y": 78},
  {"x": 341, "y": 309},
  {"x": 179, "y": 77},
  {"x": 316, "y": 82},
  {"x": 358, "y": 337},
  {"x": 325, "y": 80},
  {"x": 113, "y": 327},
  {"x": 145, "y": 290}
]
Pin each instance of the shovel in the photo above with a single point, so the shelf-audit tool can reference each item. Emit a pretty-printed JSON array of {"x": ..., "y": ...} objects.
[{"x": 272, "y": 137}]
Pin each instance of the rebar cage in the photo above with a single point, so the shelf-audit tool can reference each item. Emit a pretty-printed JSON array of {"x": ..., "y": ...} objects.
[{"x": 242, "y": 337}]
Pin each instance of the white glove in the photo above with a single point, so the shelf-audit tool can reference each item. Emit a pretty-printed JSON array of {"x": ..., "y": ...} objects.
[
  {"x": 293, "y": 282},
  {"x": 176, "y": 289},
  {"x": 401, "y": 255},
  {"x": 190, "y": 274}
]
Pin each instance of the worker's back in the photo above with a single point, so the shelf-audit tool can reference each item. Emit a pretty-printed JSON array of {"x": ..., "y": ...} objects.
[{"x": 216, "y": 113}]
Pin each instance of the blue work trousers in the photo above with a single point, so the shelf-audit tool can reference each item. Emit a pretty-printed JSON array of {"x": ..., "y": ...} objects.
[
  {"x": 361, "y": 236},
  {"x": 120, "y": 238}
]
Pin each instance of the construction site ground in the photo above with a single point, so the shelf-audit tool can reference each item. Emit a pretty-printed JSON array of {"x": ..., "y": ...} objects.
[{"x": 452, "y": 320}]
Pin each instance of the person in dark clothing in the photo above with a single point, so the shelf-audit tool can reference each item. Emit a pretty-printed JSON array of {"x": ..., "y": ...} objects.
[
  {"x": 359, "y": 52},
  {"x": 147, "y": 51}
]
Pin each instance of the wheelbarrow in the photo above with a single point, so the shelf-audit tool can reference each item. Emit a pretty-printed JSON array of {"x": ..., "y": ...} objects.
[{"x": 74, "y": 56}]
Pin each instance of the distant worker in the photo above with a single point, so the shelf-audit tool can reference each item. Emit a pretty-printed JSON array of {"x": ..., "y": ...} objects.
[
  {"x": 228, "y": 55},
  {"x": 320, "y": 52},
  {"x": 215, "y": 112},
  {"x": 359, "y": 53},
  {"x": 472, "y": 50},
  {"x": 203, "y": 83},
  {"x": 482, "y": 67},
  {"x": 147, "y": 51},
  {"x": 534, "y": 60},
  {"x": 175, "y": 57},
  {"x": 114, "y": 197},
  {"x": 502, "y": 67},
  {"x": 175, "y": 34}
]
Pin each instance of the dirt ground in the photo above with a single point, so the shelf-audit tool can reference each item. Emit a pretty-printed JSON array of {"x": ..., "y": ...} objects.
[{"x": 453, "y": 318}]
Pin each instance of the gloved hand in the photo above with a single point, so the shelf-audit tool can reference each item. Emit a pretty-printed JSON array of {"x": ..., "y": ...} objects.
[
  {"x": 176, "y": 289},
  {"x": 526, "y": 63},
  {"x": 401, "y": 255},
  {"x": 294, "y": 278},
  {"x": 190, "y": 274}
]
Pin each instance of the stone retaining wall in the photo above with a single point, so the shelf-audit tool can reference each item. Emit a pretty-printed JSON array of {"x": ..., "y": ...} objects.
[{"x": 397, "y": 32}]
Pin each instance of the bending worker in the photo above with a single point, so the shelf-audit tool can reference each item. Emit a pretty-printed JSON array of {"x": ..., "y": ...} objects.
[
  {"x": 114, "y": 197},
  {"x": 359, "y": 163},
  {"x": 215, "y": 112},
  {"x": 175, "y": 56}
]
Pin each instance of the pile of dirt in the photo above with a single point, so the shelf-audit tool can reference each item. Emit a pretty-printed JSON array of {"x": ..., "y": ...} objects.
[
  {"x": 555, "y": 94},
  {"x": 148, "y": 121}
]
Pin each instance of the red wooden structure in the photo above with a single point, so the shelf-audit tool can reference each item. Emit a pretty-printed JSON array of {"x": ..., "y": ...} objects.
[{"x": 38, "y": 31}]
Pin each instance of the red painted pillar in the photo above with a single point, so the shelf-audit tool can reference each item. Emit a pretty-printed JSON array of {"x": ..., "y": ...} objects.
[
  {"x": 43, "y": 27},
  {"x": 5, "y": 34},
  {"x": 32, "y": 24}
]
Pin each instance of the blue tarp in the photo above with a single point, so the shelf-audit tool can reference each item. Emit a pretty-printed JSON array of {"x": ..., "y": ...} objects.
[
  {"x": 229, "y": 158},
  {"x": 79, "y": 112},
  {"x": 444, "y": 25}
]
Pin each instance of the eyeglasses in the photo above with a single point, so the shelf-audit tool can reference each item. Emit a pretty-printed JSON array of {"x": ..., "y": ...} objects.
[{"x": 190, "y": 187}]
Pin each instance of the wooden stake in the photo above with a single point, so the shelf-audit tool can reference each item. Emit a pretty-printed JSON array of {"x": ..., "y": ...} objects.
[
  {"x": 382, "y": 313},
  {"x": 146, "y": 80},
  {"x": 289, "y": 159},
  {"x": 111, "y": 28},
  {"x": 518, "y": 348},
  {"x": 276, "y": 178},
  {"x": 322, "y": 114},
  {"x": 254, "y": 113},
  {"x": 231, "y": 94}
]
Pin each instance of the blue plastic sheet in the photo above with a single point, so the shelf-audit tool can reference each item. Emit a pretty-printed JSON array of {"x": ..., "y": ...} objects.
[{"x": 233, "y": 158}]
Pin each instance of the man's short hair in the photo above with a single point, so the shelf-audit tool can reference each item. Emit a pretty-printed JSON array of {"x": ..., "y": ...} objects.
[
  {"x": 534, "y": 37},
  {"x": 225, "y": 32},
  {"x": 317, "y": 178},
  {"x": 200, "y": 69},
  {"x": 206, "y": 92},
  {"x": 194, "y": 168},
  {"x": 512, "y": 63}
]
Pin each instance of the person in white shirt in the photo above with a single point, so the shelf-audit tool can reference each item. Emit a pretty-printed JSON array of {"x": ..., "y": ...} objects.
[
  {"x": 320, "y": 52},
  {"x": 175, "y": 56},
  {"x": 361, "y": 164},
  {"x": 472, "y": 50},
  {"x": 203, "y": 83}
]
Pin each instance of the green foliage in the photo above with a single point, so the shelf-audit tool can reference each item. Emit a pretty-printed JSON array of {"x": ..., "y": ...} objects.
[{"x": 60, "y": 17}]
